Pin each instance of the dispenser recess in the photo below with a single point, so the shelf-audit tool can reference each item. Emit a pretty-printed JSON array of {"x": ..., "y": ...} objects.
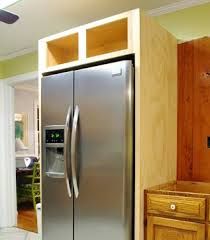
[{"x": 54, "y": 151}]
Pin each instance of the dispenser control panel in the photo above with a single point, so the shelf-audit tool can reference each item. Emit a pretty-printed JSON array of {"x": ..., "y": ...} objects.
[{"x": 54, "y": 135}]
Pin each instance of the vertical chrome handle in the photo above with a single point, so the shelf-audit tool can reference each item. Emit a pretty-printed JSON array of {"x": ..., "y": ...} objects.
[
  {"x": 66, "y": 151},
  {"x": 73, "y": 150}
]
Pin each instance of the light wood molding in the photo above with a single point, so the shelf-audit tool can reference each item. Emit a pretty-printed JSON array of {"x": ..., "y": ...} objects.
[{"x": 187, "y": 188}]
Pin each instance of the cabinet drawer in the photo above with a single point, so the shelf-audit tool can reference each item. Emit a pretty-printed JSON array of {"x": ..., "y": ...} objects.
[{"x": 177, "y": 206}]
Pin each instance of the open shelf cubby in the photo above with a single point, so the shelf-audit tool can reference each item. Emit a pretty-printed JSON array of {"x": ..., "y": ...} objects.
[
  {"x": 63, "y": 50},
  {"x": 107, "y": 38}
]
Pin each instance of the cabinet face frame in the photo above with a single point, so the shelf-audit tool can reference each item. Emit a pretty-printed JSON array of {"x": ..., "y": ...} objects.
[
  {"x": 197, "y": 228},
  {"x": 131, "y": 18}
]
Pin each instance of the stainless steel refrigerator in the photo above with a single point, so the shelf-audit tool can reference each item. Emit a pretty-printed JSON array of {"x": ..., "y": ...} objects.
[{"x": 87, "y": 153}]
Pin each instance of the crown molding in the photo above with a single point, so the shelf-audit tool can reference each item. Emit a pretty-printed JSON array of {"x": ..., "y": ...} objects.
[
  {"x": 175, "y": 7},
  {"x": 12, "y": 81},
  {"x": 18, "y": 53}
]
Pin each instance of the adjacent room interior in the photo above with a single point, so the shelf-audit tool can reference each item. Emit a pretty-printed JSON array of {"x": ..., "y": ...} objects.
[{"x": 27, "y": 150}]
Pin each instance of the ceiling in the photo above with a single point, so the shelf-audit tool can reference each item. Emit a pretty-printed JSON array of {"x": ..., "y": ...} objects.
[
  {"x": 40, "y": 18},
  {"x": 188, "y": 24}
]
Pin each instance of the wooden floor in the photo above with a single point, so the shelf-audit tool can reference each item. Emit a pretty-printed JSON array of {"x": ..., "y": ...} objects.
[{"x": 27, "y": 219}]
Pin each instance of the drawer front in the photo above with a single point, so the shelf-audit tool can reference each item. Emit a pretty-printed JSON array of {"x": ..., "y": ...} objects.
[{"x": 176, "y": 206}]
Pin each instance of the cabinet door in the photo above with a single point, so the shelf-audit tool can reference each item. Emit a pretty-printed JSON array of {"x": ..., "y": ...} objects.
[{"x": 169, "y": 229}]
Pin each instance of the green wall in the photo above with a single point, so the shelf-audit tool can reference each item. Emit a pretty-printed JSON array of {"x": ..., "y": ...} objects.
[
  {"x": 19, "y": 65},
  {"x": 188, "y": 24},
  {"x": 1, "y": 71}
]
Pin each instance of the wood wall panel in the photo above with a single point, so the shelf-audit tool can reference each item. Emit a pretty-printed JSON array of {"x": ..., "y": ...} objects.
[
  {"x": 158, "y": 107},
  {"x": 201, "y": 112},
  {"x": 185, "y": 113},
  {"x": 158, "y": 103},
  {"x": 194, "y": 110}
]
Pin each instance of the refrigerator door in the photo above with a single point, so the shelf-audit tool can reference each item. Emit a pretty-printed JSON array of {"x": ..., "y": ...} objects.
[
  {"x": 57, "y": 205},
  {"x": 103, "y": 154}
]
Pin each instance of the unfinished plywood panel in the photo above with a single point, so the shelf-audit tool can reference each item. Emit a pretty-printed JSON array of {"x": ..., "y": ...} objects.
[
  {"x": 62, "y": 50},
  {"x": 107, "y": 38},
  {"x": 157, "y": 110}
]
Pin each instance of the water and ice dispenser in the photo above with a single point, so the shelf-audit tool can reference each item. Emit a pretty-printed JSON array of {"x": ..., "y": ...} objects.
[{"x": 54, "y": 151}]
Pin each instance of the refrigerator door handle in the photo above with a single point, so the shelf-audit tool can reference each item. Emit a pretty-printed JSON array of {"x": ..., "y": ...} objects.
[
  {"x": 73, "y": 151},
  {"x": 66, "y": 151}
]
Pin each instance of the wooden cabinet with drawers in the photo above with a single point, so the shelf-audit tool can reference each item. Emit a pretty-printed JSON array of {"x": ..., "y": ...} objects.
[{"x": 178, "y": 211}]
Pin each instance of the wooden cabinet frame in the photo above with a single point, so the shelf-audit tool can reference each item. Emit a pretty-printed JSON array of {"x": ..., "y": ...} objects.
[{"x": 155, "y": 54}]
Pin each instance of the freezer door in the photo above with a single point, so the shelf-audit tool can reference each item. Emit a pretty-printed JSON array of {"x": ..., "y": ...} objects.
[
  {"x": 103, "y": 154},
  {"x": 56, "y": 100}
]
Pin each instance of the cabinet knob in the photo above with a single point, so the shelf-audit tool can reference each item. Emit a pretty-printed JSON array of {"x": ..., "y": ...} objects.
[{"x": 173, "y": 206}]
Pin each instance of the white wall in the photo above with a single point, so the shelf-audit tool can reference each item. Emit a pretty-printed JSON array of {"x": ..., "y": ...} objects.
[{"x": 24, "y": 103}]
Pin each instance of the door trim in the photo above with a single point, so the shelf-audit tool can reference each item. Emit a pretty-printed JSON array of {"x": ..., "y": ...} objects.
[{"x": 8, "y": 201}]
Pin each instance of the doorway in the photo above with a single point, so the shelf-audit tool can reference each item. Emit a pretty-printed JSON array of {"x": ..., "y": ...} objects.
[
  {"x": 8, "y": 195},
  {"x": 26, "y": 117}
]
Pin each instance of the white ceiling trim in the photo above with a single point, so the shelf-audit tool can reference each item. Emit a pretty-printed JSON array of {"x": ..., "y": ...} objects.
[
  {"x": 175, "y": 7},
  {"x": 18, "y": 53},
  {"x": 7, "y": 3},
  {"x": 27, "y": 88},
  {"x": 12, "y": 81}
]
